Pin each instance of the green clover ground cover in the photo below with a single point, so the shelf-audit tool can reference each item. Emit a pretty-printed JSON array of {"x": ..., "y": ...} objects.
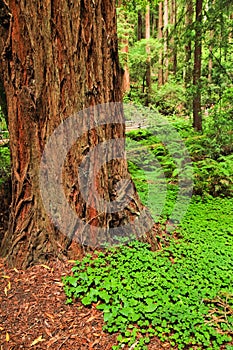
[{"x": 183, "y": 293}]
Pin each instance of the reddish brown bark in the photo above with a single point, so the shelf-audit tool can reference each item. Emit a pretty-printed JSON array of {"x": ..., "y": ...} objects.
[
  {"x": 139, "y": 29},
  {"x": 126, "y": 75},
  {"x": 160, "y": 37},
  {"x": 166, "y": 60},
  {"x": 197, "y": 115},
  {"x": 57, "y": 58},
  {"x": 173, "y": 20},
  {"x": 148, "y": 62}
]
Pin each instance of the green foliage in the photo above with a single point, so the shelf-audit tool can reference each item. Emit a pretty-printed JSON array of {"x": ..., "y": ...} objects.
[
  {"x": 169, "y": 98},
  {"x": 3, "y": 124},
  {"x": 4, "y": 149},
  {"x": 135, "y": 95},
  {"x": 4, "y": 164},
  {"x": 213, "y": 170},
  {"x": 138, "y": 58},
  {"x": 219, "y": 125},
  {"x": 169, "y": 293},
  {"x": 217, "y": 56},
  {"x": 214, "y": 177},
  {"x": 145, "y": 171},
  {"x": 125, "y": 28}
]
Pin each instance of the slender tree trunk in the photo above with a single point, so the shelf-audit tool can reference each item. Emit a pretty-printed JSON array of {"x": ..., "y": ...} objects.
[
  {"x": 125, "y": 50},
  {"x": 188, "y": 46},
  {"x": 160, "y": 37},
  {"x": 210, "y": 63},
  {"x": 124, "y": 44},
  {"x": 126, "y": 75},
  {"x": 139, "y": 32},
  {"x": 165, "y": 35},
  {"x": 154, "y": 25},
  {"x": 173, "y": 21},
  {"x": 188, "y": 70},
  {"x": 57, "y": 58},
  {"x": 148, "y": 62},
  {"x": 197, "y": 115},
  {"x": 211, "y": 36}
]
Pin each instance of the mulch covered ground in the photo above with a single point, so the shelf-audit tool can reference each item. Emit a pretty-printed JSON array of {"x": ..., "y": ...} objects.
[{"x": 34, "y": 315}]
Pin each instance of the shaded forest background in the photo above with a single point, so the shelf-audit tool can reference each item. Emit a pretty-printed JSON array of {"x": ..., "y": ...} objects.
[{"x": 177, "y": 56}]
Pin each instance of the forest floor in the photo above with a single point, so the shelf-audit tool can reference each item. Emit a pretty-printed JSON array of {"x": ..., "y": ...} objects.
[{"x": 34, "y": 314}]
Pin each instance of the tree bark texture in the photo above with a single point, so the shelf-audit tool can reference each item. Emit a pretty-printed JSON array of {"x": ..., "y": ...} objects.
[
  {"x": 188, "y": 46},
  {"x": 160, "y": 37},
  {"x": 148, "y": 61},
  {"x": 173, "y": 20},
  {"x": 140, "y": 25},
  {"x": 165, "y": 35},
  {"x": 57, "y": 58},
  {"x": 197, "y": 115}
]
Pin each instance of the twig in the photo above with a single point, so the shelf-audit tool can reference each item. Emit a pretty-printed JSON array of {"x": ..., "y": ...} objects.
[{"x": 63, "y": 342}]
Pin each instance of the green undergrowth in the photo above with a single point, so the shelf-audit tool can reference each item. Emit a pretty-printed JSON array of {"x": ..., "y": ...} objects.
[
  {"x": 4, "y": 164},
  {"x": 152, "y": 167},
  {"x": 212, "y": 168},
  {"x": 151, "y": 199},
  {"x": 182, "y": 293}
]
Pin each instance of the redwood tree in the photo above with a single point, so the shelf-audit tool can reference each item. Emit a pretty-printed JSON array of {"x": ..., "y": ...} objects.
[
  {"x": 197, "y": 117},
  {"x": 165, "y": 35},
  {"x": 160, "y": 37},
  {"x": 148, "y": 61},
  {"x": 57, "y": 58},
  {"x": 188, "y": 43}
]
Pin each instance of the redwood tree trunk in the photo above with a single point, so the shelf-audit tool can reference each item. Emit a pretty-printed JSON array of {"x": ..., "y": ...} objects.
[
  {"x": 139, "y": 29},
  {"x": 148, "y": 61},
  {"x": 160, "y": 37},
  {"x": 197, "y": 116},
  {"x": 57, "y": 58},
  {"x": 166, "y": 60},
  {"x": 188, "y": 45},
  {"x": 173, "y": 7}
]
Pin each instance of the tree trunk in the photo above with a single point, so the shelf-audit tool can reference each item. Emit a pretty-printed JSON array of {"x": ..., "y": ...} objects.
[
  {"x": 173, "y": 21},
  {"x": 160, "y": 37},
  {"x": 58, "y": 58},
  {"x": 139, "y": 31},
  {"x": 197, "y": 115},
  {"x": 188, "y": 46},
  {"x": 154, "y": 24},
  {"x": 165, "y": 35},
  {"x": 124, "y": 44},
  {"x": 126, "y": 74},
  {"x": 148, "y": 62},
  {"x": 211, "y": 38},
  {"x": 210, "y": 63},
  {"x": 188, "y": 70},
  {"x": 125, "y": 77}
]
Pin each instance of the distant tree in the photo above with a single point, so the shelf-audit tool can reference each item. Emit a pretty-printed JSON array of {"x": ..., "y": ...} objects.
[
  {"x": 165, "y": 36},
  {"x": 148, "y": 62},
  {"x": 173, "y": 40},
  {"x": 197, "y": 113},
  {"x": 189, "y": 11},
  {"x": 160, "y": 37},
  {"x": 124, "y": 31},
  {"x": 140, "y": 25}
]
